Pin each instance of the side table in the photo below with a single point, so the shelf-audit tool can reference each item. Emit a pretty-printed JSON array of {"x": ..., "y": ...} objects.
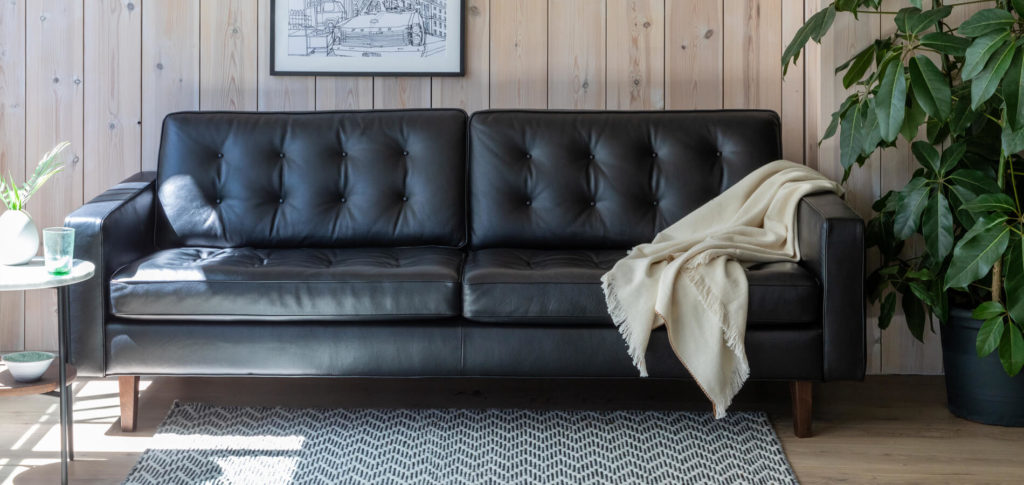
[{"x": 33, "y": 276}]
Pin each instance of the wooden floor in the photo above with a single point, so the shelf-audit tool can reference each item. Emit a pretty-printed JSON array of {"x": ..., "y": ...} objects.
[{"x": 892, "y": 429}]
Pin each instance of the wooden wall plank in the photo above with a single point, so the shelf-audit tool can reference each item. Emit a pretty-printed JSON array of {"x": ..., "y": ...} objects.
[
  {"x": 693, "y": 54},
  {"x": 170, "y": 67},
  {"x": 342, "y": 93},
  {"x": 228, "y": 49},
  {"x": 519, "y": 53},
  {"x": 12, "y": 147},
  {"x": 792, "y": 113},
  {"x": 113, "y": 93},
  {"x": 576, "y": 54},
  {"x": 279, "y": 93},
  {"x": 54, "y": 112},
  {"x": 472, "y": 91},
  {"x": 753, "y": 53},
  {"x": 813, "y": 75},
  {"x": 391, "y": 92},
  {"x": 636, "y": 53}
]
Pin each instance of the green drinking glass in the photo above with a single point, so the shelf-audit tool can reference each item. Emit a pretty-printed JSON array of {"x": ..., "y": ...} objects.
[{"x": 58, "y": 249}]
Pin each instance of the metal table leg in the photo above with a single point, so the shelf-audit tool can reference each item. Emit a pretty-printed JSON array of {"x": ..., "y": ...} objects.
[{"x": 65, "y": 390}]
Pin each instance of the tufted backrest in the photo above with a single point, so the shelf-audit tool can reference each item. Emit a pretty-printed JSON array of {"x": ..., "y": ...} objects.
[
  {"x": 599, "y": 179},
  {"x": 323, "y": 179}
]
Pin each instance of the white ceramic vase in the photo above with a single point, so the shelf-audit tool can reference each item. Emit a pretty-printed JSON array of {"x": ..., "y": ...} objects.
[{"x": 19, "y": 238}]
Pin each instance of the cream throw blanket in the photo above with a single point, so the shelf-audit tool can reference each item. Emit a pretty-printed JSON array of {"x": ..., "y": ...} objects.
[{"x": 691, "y": 277}]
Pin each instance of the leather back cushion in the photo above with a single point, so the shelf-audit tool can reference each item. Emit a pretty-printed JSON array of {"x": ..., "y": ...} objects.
[
  {"x": 327, "y": 179},
  {"x": 548, "y": 179}
]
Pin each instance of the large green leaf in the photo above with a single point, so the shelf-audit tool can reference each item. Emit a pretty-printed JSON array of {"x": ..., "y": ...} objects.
[
  {"x": 1011, "y": 141},
  {"x": 1018, "y": 6},
  {"x": 872, "y": 134},
  {"x": 997, "y": 202},
  {"x": 931, "y": 88},
  {"x": 815, "y": 28},
  {"x": 937, "y": 227},
  {"x": 851, "y": 136},
  {"x": 1013, "y": 269},
  {"x": 987, "y": 310},
  {"x": 951, "y": 156},
  {"x": 915, "y": 314},
  {"x": 1013, "y": 91},
  {"x": 926, "y": 154},
  {"x": 975, "y": 181},
  {"x": 985, "y": 21},
  {"x": 980, "y": 51},
  {"x": 837, "y": 116},
  {"x": 985, "y": 83},
  {"x": 886, "y": 311},
  {"x": 1011, "y": 350},
  {"x": 859, "y": 66},
  {"x": 946, "y": 43},
  {"x": 891, "y": 101},
  {"x": 959, "y": 197},
  {"x": 912, "y": 120},
  {"x": 913, "y": 200},
  {"x": 977, "y": 251},
  {"x": 989, "y": 335},
  {"x": 911, "y": 20}
]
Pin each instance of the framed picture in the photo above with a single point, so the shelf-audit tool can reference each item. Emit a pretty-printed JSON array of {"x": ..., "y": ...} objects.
[{"x": 367, "y": 37}]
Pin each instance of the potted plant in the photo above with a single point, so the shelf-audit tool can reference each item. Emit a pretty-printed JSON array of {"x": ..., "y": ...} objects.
[
  {"x": 965, "y": 85},
  {"x": 19, "y": 237}
]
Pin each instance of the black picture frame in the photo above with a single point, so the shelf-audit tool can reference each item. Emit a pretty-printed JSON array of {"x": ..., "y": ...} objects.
[{"x": 461, "y": 49}]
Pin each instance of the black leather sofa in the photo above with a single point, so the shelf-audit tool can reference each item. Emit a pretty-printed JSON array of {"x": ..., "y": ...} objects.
[{"x": 420, "y": 243}]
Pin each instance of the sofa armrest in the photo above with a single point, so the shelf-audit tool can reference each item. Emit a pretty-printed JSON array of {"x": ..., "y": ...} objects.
[
  {"x": 831, "y": 238},
  {"x": 111, "y": 230}
]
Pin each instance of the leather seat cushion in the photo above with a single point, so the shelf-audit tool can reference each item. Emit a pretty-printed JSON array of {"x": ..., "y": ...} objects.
[
  {"x": 564, "y": 287},
  {"x": 290, "y": 284}
]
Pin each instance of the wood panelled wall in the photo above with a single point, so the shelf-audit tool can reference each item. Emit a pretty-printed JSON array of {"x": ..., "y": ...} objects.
[{"x": 103, "y": 73}]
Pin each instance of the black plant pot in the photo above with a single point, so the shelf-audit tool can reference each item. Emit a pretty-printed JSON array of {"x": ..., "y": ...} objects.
[{"x": 978, "y": 389}]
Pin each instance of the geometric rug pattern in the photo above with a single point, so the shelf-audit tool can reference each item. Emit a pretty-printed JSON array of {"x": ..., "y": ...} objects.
[{"x": 199, "y": 443}]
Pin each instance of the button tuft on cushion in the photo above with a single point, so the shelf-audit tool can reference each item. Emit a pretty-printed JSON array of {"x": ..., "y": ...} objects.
[
  {"x": 591, "y": 156},
  {"x": 218, "y": 201},
  {"x": 593, "y": 203},
  {"x": 280, "y": 155},
  {"x": 405, "y": 198},
  {"x": 280, "y": 201},
  {"x": 344, "y": 154},
  {"x": 654, "y": 154},
  {"x": 220, "y": 155},
  {"x": 654, "y": 203},
  {"x": 405, "y": 153},
  {"x": 529, "y": 202},
  {"x": 529, "y": 156},
  {"x": 343, "y": 199},
  {"x": 718, "y": 154}
]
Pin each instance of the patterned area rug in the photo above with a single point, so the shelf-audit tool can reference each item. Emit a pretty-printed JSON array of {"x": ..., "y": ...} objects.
[{"x": 200, "y": 443}]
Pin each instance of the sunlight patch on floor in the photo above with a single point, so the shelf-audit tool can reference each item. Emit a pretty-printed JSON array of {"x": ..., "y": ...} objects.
[{"x": 30, "y": 433}]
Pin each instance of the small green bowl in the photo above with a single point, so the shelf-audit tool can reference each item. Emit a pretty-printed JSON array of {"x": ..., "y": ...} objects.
[{"x": 28, "y": 366}]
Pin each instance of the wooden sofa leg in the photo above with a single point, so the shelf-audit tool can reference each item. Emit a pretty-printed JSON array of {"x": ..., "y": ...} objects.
[
  {"x": 128, "y": 388},
  {"x": 800, "y": 393}
]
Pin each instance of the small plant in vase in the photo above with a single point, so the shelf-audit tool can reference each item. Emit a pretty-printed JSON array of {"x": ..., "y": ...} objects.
[{"x": 19, "y": 236}]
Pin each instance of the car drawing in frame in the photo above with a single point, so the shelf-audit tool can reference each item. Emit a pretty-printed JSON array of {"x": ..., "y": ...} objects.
[{"x": 367, "y": 37}]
